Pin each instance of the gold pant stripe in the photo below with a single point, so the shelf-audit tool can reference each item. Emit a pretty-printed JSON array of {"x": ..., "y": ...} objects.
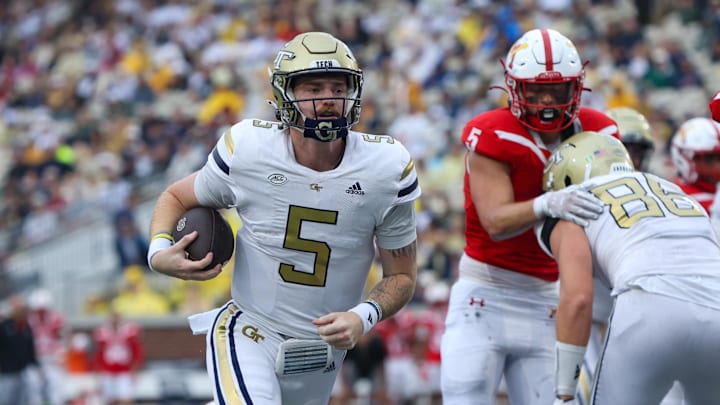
[{"x": 221, "y": 342}]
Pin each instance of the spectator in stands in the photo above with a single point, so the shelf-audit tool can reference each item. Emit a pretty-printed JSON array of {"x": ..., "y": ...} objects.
[
  {"x": 225, "y": 103},
  {"x": 396, "y": 334},
  {"x": 192, "y": 299},
  {"x": 17, "y": 355},
  {"x": 48, "y": 327},
  {"x": 136, "y": 297},
  {"x": 429, "y": 328},
  {"x": 83, "y": 389},
  {"x": 119, "y": 354},
  {"x": 363, "y": 371},
  {"x": 130, "y": 244},
  {"x": 6, "y": 284},
  {"x": 77, "y": 359}
]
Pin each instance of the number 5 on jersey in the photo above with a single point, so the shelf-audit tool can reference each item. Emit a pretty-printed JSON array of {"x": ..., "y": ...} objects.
[{"x": 296, "y": 216}]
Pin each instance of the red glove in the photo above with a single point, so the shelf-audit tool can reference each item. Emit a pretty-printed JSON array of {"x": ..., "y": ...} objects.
[{"x": 715, "y": 107}]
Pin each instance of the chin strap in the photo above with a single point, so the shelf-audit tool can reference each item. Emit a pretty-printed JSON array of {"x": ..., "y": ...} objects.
[{"x": 325, "y": 130}]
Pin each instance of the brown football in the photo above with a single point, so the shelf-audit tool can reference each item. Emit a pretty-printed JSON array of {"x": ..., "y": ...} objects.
[{"x": 214, "y": 234}]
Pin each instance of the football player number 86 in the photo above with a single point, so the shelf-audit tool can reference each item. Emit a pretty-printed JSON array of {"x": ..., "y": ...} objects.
[
  {"x": 629, "y": 201},
  {"x": 296, "y": 216}
]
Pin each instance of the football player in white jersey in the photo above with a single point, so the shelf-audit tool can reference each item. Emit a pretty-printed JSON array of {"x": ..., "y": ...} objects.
[
  {"x": 315, "y": 199},
  {"x": 636, "y": 136},
  {"x": 655, "y": 247}
]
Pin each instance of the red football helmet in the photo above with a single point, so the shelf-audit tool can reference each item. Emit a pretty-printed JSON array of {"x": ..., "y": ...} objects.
[
  {"x": 544, "y": 77},
  {"x": 695, "y": 150}
]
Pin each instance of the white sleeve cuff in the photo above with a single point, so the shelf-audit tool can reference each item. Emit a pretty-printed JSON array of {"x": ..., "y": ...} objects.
[
  {"x": 159, "y": 242},
  {"x": 369, "y": 312}
]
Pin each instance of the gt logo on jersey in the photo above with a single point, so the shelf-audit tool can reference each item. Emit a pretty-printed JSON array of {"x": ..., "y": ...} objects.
[{"x": 251, "y": 332}]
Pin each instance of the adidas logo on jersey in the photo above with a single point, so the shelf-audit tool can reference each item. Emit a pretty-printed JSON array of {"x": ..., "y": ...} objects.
[
  {"x": 355, "y": 189},
  {"x": 330, "y": 368}
]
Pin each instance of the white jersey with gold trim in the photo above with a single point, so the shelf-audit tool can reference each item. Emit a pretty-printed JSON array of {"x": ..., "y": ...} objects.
[
  {"x": 308, "y": 237},
  {"x": 645, "y": 222}
]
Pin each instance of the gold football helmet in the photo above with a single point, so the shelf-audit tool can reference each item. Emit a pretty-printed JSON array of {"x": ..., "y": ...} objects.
[
  {"x": 583, "y": 156},
  {"x": 315, "y": 53},
  {"x": 635, "y": 133}
]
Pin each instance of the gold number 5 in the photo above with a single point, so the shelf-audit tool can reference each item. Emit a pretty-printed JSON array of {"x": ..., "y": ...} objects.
[{"x": 296, "y": 216}]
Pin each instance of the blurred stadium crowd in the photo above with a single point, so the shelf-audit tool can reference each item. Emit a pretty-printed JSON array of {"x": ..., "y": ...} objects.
[{"x": 102, "y": 102}]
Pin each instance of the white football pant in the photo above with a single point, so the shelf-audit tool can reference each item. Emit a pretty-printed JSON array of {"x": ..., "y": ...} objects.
[{"x": 492, "y": 331}]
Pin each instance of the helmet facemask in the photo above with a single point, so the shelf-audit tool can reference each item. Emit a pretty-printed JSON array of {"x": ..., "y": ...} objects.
[
  {"x": 640, "y": 152},
  {"x": 527, "y": 104},
  {"x": 316, "y": 53},
  {"x": 707, "y": 167},
  {"x": 315, "y": 126}
]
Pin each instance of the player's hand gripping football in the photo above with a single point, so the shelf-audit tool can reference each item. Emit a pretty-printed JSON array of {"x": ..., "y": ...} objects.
[
  {"x": 341, "y": 330},
  {"x": 573, "y": 203},
  {"x": 173, "y": 261}
]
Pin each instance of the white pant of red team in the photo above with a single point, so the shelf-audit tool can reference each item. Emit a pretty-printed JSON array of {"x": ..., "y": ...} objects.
[{"x": 492, "y": 331}]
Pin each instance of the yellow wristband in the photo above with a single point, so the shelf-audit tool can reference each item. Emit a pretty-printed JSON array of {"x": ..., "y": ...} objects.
[{"x": 162, "y": 235}]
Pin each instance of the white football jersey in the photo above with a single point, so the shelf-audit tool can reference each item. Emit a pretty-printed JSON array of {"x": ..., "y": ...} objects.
[
  {"x": 647, "y": 228},
  {"x": 308, "y": 237}
]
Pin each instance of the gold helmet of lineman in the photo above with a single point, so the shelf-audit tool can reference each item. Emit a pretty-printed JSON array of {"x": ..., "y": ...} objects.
[
  {"x": 635, "y": 133},
  {"x": 583, "y": 156},
  {"x": 315, "y": 53}
]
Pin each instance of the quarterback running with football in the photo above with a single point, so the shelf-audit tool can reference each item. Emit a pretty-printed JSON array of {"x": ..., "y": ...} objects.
[
  {"x": 655, "y": 247},
  {"x": 500, "y": 317},
  {"x": 315, "y": 199}
]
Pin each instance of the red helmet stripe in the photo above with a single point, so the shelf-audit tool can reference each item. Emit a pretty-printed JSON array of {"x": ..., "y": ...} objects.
[{"x": 548, "y": 50}]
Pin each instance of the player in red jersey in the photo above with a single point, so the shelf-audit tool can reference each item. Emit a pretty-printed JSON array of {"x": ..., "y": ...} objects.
[
  {"x": 119, "y": 354},
  {"x": 429, "y": 328},
  {"x": 499, "y": 320},
  {"x": 396, "y": 334},
  {"x": 695, "y": 151},
  {"x": 48, "y": 327}
]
